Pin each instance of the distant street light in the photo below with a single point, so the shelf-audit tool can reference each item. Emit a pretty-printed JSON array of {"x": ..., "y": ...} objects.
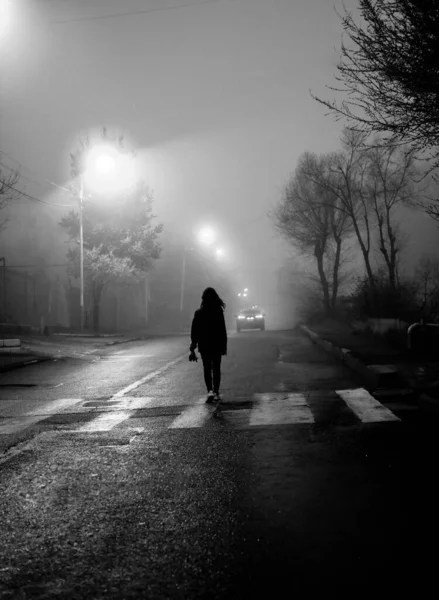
[
  {"x": 243, "y": 294},
  {"x": 206, "y": 236},
  {"x": 104, "y": 166},
  {"x": 5, "y": 18}
]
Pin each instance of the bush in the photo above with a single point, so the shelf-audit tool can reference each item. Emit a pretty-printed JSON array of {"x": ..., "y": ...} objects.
[
  {"x": 381, "y": 300},
  {"x": 310, "y": 308}
]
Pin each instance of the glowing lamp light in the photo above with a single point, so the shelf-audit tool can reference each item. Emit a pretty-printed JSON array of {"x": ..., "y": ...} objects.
[
  {"x": 5, "y": 18},
  {"x": 101, "y": 160},
  {"x": 207, "y": 236},
  {"x": 105, "y": 164},
  {"x": 107, "y": 170}
]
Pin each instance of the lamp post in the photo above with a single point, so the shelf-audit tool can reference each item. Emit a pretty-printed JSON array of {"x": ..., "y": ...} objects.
[
  {"x": 81, "y": 250},
  {"x": 183, "y": 281},
  {"x": 206, "y": 237},
  {"x": 107, "y": 167},
  {"x": 3, "y": 260}
]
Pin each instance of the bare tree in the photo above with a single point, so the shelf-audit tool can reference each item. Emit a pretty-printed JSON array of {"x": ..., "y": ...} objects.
[
  {"x": 389, "y": 72},
  {"x": 8, "y": 192},
  {"x": 344, "y": 178},
  {"x": 308, "y": 216},
  {"x": 427, "y": 280},
  {"x": 391, "y": 172}
]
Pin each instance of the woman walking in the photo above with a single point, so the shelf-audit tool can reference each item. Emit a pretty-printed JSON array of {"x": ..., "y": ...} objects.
[{"x": 209, "y": 333}]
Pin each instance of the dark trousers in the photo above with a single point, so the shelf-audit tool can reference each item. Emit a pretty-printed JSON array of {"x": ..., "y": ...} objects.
[{"x": 212, "y": 371}]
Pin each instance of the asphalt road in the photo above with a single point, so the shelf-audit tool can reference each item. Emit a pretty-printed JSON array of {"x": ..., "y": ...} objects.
[{"x": 118, "y": 481}]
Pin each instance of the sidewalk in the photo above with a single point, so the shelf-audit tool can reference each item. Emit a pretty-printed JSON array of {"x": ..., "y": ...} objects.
[
  {"x": 380, "y": 364},
  {"x": 40, "y": 348}
]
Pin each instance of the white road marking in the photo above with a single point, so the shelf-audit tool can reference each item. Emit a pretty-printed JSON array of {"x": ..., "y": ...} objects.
[
  {"x": 193, "y": 416},
  {"x": 114, "y": 360},
  {"x": 121, "y": 357},
  {"x": 104, "y": 422},
  {"x": 16, "y": 424},
  {"x": 143, "y": 380},
  {"x": 108, "y": 420},
  {"x": 366, "y": 407},
  {"x": 280, "y": 409}
]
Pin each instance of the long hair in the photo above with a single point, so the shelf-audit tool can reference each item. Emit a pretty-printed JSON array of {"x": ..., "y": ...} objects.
[{"x": 211, "y": 301}]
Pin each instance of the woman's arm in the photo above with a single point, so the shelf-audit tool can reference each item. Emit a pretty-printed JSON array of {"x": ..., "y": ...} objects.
[
  {"x": 195, "y": 333},
  {"x": 224, "y": 335}
]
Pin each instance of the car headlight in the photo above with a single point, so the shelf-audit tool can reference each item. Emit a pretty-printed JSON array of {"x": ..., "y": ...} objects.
[
  {"x": 259, "y": 316},
  {"x": 241, "y": 317}
]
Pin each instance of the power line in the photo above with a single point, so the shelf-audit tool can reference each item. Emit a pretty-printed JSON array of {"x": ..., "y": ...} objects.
[
  {"x": 36, "y": 199},
  {"x": 36, "y": 266},
  {"x": 21, "y": 176},
  {"x": 134, "y": 12},
  {"x": 60, "y": 187}
]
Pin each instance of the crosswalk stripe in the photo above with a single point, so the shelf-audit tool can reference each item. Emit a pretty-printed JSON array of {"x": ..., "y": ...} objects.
[
  {"x": 194, "y": 416},
  {"x": 16, "y": 424},
  {"x": 366, "y": 407},
  {"x": 139, "y": 382},
  {"x": 280, "y": 409},
  {"x": 109, "y": 420}
]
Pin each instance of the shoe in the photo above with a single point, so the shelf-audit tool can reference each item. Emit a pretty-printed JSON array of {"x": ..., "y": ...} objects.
[
  {"x": 210, "y": 397},
  {"x": 216, "y": 397}
]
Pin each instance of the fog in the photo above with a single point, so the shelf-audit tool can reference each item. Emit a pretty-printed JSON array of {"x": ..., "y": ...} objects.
[{"x": 215, "y": 100}]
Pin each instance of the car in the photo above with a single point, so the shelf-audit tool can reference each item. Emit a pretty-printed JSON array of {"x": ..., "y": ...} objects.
[{"x": 251, "y": 318}]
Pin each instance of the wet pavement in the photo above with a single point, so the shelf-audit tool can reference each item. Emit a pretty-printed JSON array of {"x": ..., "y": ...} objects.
[{"x": 118, "y": 481}]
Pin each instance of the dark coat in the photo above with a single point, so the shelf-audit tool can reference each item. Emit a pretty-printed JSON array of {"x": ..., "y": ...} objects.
[{"x": 209, "y": 332}]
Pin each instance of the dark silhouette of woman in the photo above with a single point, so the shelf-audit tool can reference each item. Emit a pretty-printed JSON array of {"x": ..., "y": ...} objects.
[{"x": 209, "y": 333}]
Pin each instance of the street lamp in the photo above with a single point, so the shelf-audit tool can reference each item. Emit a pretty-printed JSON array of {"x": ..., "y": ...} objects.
[
  {"x": 5, "y": 18},
  {"x": 243, "y": 295},
  {"x": 206, "y": 236},
  {"x": 104, "y": 166}
]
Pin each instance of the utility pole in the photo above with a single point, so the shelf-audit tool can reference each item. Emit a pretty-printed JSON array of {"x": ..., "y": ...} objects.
[
  {"x": 3, "y": 260},
  {"x": 183, "y": 282},
  {"x": 81, "y": 250}
]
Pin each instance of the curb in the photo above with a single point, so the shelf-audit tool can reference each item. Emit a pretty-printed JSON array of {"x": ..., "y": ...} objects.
[
  {"x": 10, "y": 343},
  {"x": 31, "y": 361},
  {"x": 374, "y": 377},
  {"x": 89, "y": 335},
  {"x": 136, "y": 339},
  {"x": 35, "y": 358},
  {"x": 10, "y": 350}
]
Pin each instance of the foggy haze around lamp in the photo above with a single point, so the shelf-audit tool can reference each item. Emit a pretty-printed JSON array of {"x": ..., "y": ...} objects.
[
  {"x": 108, "y": 171},
  {"x": 206, "y": 236}
]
